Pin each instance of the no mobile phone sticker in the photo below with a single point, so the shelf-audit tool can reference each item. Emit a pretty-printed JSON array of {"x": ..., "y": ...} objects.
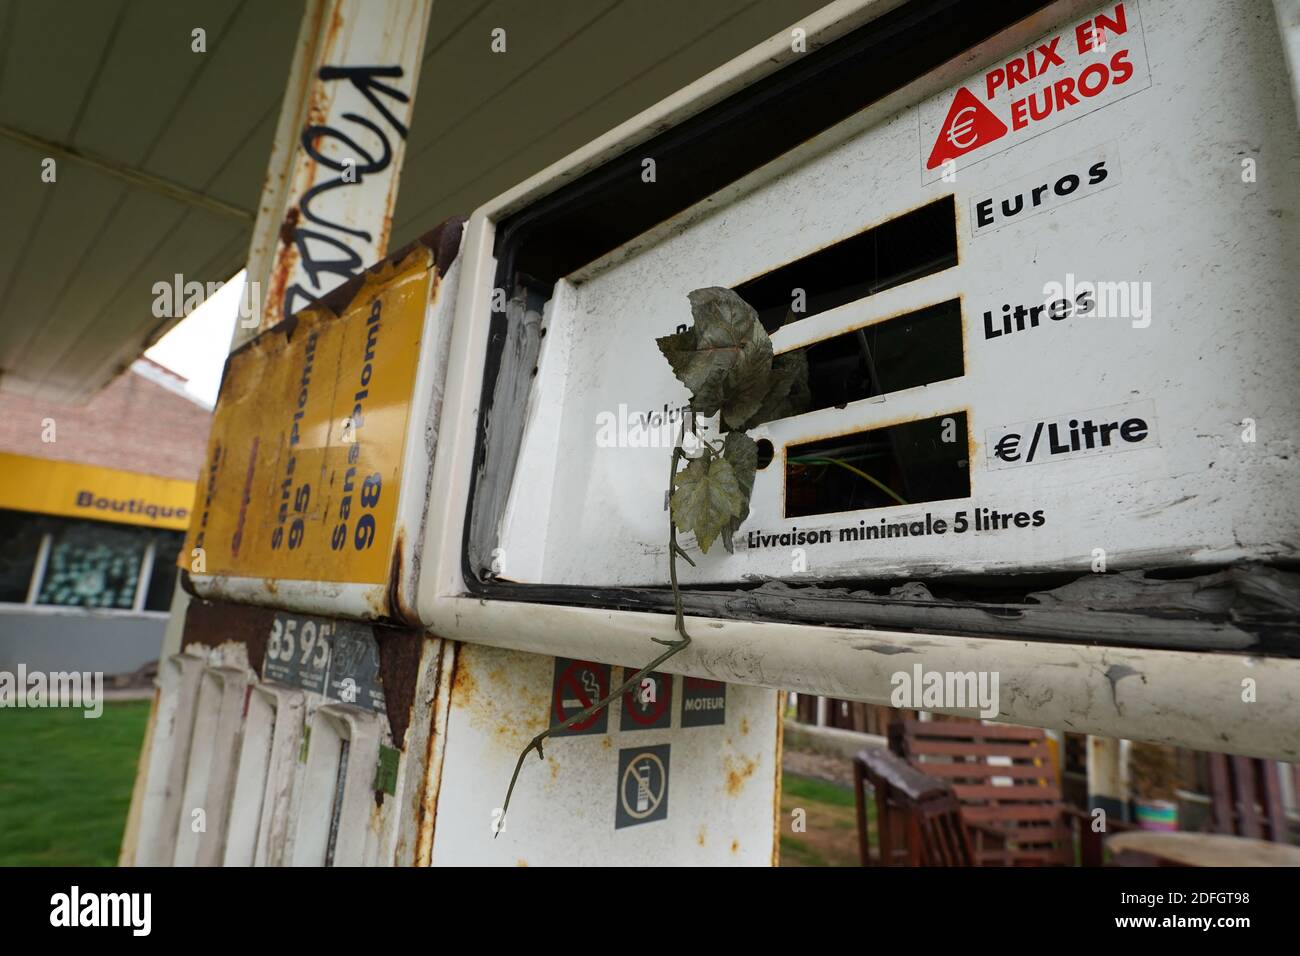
[{"x": 642, "y": 785}]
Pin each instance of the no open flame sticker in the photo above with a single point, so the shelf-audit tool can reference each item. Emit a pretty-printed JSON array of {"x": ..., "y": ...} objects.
[{"x": 1090, "y": 64}]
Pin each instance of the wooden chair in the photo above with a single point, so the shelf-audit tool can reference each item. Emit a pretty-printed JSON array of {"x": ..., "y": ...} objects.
[
  {"x": 918, "y": 820},
  {"x": 1246, "y": 797}
]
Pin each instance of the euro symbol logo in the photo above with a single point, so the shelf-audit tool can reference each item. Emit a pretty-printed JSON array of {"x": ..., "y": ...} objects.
[
  {"x": 963, "y": 124},
  {"x": 968, "y": 125},
  {"x": 1008, "y": 447}
]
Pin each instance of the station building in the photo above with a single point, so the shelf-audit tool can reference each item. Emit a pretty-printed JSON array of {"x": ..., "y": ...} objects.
[{"x": 94, "y": 501}]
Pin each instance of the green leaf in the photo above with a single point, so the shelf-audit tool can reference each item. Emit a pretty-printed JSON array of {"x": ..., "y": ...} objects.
[
  {"x": 697, "y": 369},
  {"x": 706, "y": 497},
  {"x": 742, "y": 453},
  {"x": 789, "y": 393},
  {"x": 725, "y": 359},
  {"x": 800, "y": 394}
]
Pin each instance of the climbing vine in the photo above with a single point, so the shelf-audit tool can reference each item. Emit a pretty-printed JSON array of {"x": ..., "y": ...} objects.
[{"x": 726, "y": 362}]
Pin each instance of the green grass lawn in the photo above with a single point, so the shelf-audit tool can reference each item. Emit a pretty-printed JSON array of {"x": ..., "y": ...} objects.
[
  {"x": 65, "y": 783},
  {"x": 831, "y": 834},
  {"x": 65, "y": 787}
]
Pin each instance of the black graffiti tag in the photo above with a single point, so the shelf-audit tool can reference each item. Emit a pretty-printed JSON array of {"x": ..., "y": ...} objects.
[{"x": 333, "y": 235}]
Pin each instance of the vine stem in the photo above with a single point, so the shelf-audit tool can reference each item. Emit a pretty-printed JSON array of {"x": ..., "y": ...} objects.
[{"x": 674, "y": 549}]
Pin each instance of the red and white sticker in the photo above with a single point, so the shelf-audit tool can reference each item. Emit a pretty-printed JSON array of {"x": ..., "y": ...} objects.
[{"x": 1092, "y": 63}]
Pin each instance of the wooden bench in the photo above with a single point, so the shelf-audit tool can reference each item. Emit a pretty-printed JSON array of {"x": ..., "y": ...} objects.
[
  {"x": 1004, "y": 779},
  {"x": 1246, "y": 797}
]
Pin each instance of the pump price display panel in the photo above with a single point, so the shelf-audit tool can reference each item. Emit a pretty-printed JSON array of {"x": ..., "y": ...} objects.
[
  {"x": 304, "y": 467},
  {"x": 1025, "y": 349}
]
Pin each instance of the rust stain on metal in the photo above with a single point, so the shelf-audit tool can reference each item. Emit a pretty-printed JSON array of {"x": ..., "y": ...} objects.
[
  {"x": 443, "y": 241},
  {"x": 289, "y": 225},
  {"x": 735, "y": 846},
  {"x": 737, "y": 774},
  {"x": 317, "y": 111},
  {"x": 377, "y": 602},
  {"x": 399, "y": 670},
  {"x": 744, "y": 725},
  {"x": 396, "y": 606},
  {"x": 509, "y": 712},
  {"x": 335, "y": 28},
  {"x": 212, "y": 624},
  {"x": 285, "y": 262},
  {"x": 699, "y": 837},
  {"x": 427, "y": 811},
  {"x": 463, "y": 685}
]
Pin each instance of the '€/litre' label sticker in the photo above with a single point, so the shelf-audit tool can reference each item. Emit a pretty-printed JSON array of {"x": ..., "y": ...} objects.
[{"x": 1075, "y": 435}]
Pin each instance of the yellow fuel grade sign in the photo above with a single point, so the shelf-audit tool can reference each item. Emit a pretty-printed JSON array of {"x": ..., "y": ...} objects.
[{"x": 305, "y": 459}]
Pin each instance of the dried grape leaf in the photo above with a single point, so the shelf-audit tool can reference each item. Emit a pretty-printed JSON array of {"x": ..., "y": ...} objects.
[
  {"x": 742, "y": 452},
  {"x": 789, "y": 393},
  {"x": 706, "y": 497},
  {"x": 697, "y": 368},
  {"x": 725, "y": 359}
]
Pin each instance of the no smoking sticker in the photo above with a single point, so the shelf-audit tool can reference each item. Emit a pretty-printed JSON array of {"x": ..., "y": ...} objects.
[
  {"x": 578, "y": 685},
  {"x": 649, "y": 705},
  {"x": 642, "y": 786}
]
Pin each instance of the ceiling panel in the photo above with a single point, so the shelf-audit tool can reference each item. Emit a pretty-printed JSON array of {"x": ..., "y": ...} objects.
[
  {"x": 52, "y": 53},
  {"x": 120, "y": 82},
  {"x": 78, "y": 259},
  {"x": 229, "y": 99},
  {"x": 557, "y": 108},
  {"x": 19, "y": 168},
  {"x": 74, "y": 210},
  {"x": 130, "y": 111},
  {"x": 196, "y": 237}
]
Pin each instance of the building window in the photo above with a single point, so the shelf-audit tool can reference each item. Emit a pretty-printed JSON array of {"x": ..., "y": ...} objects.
[
  {"x": 20, "y": 548},
  {"x": 91, "y": 564},
  {"x": 162, "y": 576}
]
